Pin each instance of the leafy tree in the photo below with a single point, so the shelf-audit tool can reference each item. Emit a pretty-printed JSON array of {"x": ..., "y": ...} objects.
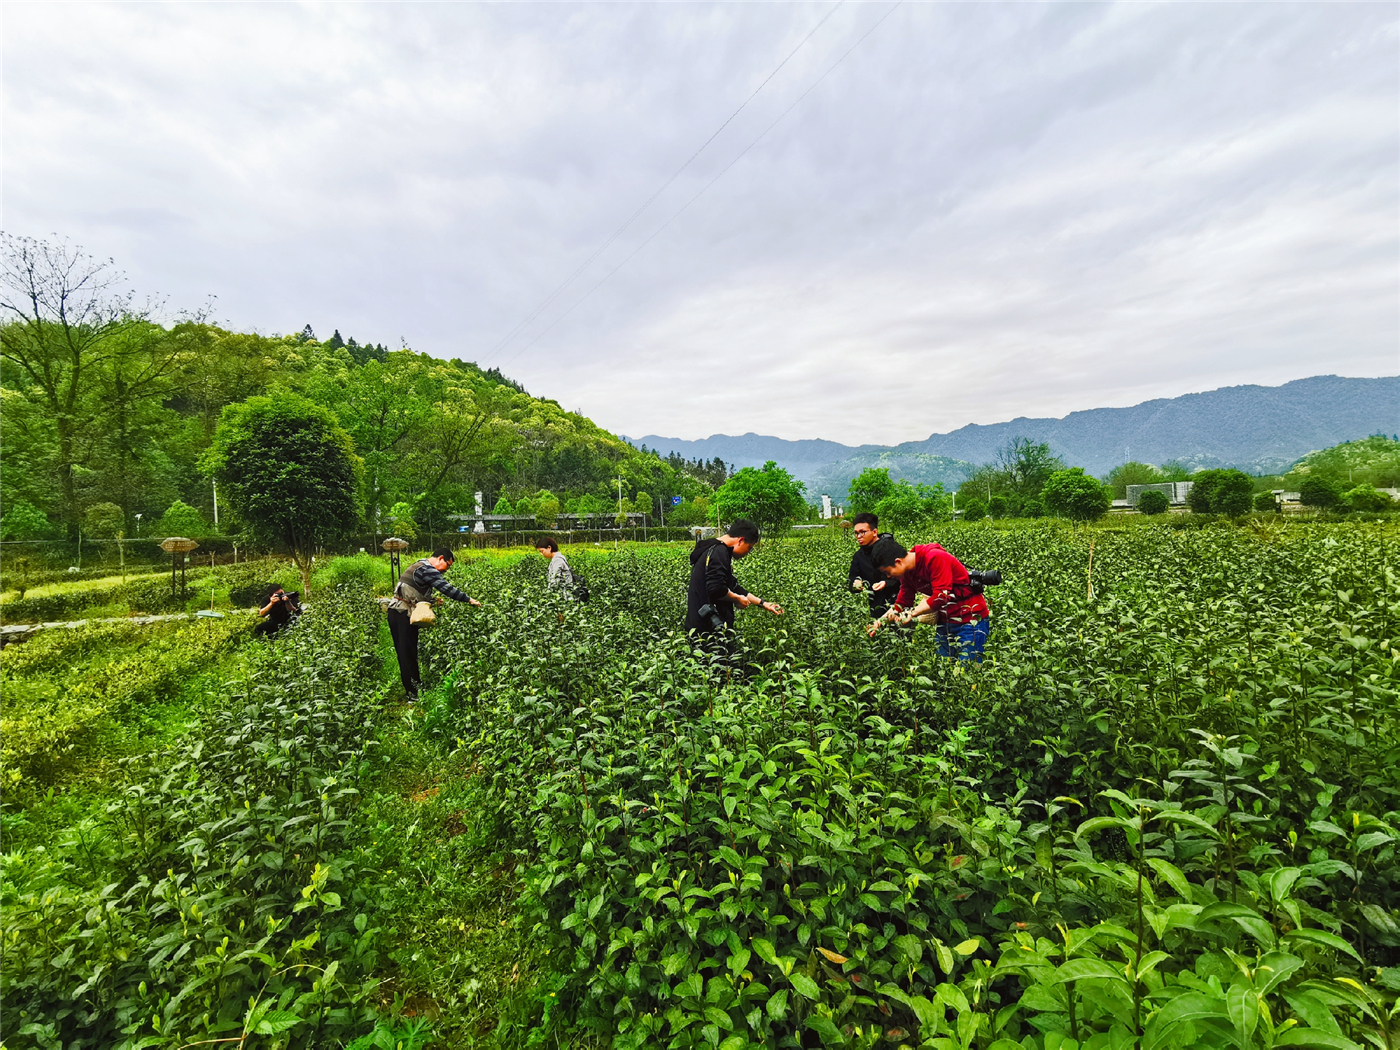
[
  {"x": 105, "y": 521},
  {"x": 864, "y": 494},
  {"x": 998, "y": 506},
  {"x": 1368, "y": 498},
  {"x": 1026, "y": 465},
  {"x": 1152, "y": 502},
  {"x": 502, "y": 505},
  {"x": 23, "y": 521},
  {"x": 1266, "y": 501},
  {"x": 1221, "y": 492},
  {"x": 1174, "y": 470},
  {"x": 1132, "y": 473},
  {"x": 401, "y": 521},
  {"x": 1073, "y": 494},
  {"x": 974, "y": 510},
  {"x": 771, "y": 498},
  {"x": 1320, "y": 493},
  {"x": 290, "y": 473},
  {"x": 76, "y": 352},
  {"x": 1033, "y": 507},
  {"x": 1370, "y": 461},
  {"x": 546, "y": 508},
  {"x": 180, "y": 519}
]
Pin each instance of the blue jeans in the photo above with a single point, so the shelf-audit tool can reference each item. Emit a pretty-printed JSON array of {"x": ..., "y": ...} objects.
[{"x": 963, "y": 641}]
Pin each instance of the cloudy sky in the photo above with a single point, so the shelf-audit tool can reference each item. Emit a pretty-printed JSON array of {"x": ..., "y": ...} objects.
[{"x": 929, "y": 215}]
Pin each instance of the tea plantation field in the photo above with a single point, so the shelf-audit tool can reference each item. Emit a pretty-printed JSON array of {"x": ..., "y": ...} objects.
[{"x": 1163, "y": 813}]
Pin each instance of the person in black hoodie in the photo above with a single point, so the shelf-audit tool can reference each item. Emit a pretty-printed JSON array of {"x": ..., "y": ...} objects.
[
  {"x": 714, "y": 593},
  {"x": 879, "y": 591}
]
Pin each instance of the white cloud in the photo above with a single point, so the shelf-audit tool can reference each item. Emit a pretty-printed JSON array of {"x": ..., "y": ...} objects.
[{"x": 984, "y": 211}]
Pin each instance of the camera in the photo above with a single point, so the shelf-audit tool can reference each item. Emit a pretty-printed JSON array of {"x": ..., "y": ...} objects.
[
  {"x": 709, "y": 615},
  {"x": 980, "y": 579}
]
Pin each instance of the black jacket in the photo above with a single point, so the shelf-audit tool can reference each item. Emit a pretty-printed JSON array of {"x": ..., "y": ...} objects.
[
  {"x": 863, "y": 568},
  {"x": 711, "y": 580}
]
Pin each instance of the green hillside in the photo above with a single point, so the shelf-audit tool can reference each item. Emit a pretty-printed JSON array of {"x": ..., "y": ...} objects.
[{"x": 126, "y": 420}]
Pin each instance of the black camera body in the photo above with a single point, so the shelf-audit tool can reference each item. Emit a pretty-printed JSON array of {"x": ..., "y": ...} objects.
[
  {"x": 709, "y": 615},
  {"x": 980, "y": 579}
]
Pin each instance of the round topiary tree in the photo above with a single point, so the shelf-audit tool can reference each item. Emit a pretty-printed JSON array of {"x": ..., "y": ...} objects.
[
  {"x": 1266, "y": 502},
  {"x": 999, "y": 506},
  {"x": 1073, "y": 494},
  {"x": 180, "y": 519},
  {"x": 1319, "y": 493},
  {"x": 290, "y": 472},
  {"x": 974, "y": 510},
  {"x": 1152, "y": 502}
]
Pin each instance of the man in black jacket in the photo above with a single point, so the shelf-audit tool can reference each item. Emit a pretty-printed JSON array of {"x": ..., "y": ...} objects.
[
  {"x": 714, "y": 593},
  {"x": 416, "y": 585},
  {"x": 879, "y": 591}
]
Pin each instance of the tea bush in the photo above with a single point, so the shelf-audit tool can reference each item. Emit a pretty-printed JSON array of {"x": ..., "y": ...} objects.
[
  {"x": 216, "y": 900},
  {"x": 61, "y": 682},
  {"x": 1162, "y": 813}
]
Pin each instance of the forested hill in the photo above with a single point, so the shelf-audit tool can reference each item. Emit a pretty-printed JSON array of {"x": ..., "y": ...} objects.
[
  {"x": 115, "y": 433},
  {"x": 1255, "y": 428}
]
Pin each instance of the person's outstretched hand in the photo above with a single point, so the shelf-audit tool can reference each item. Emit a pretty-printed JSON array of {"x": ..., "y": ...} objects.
[{"x": 473, "y": 601}]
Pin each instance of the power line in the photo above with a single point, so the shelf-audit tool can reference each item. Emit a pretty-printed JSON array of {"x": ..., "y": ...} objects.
[
  {"x": 706, "y": 187},
  {"x": 648, "y": 202}
]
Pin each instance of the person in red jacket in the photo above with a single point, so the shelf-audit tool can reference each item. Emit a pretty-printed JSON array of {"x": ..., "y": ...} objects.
[{"x": 958, "y": 610}]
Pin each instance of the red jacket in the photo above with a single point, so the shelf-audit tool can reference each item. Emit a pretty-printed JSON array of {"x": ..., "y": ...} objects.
[{"x": 943, "y": 578}]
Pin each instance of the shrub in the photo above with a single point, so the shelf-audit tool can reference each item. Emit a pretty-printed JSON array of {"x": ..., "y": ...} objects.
[
  {"x": 1152, "y": 502},
  {"x": 1073, "y": 494},
  {"x": 180, "y": 519},
  {"x": 1266, "y": 501},
  {"x": 1368, "y": 498},
  {"x": 974, "y": 510},
  {"x": 998, "y": 506}
]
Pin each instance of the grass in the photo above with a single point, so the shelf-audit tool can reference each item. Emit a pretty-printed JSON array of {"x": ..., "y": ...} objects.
[{"x": 49, "y": 590}]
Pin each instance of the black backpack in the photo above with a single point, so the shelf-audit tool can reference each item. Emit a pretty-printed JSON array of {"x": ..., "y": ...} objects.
[{"x": 580, "y": 591}]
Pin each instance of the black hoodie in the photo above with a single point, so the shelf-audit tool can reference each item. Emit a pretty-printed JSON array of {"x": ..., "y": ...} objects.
[
  {"x": 863, "y": 568},
  {"x": 711, "y": 580}
]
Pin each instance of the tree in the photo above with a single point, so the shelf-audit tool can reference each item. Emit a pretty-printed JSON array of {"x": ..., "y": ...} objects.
[
  {"x": 502, "y": 504},
  {"x": 401, "y": 521},
  {"x": 974, "y": 510},
  {"x": 1132, "y": 473},
  {"x": 1368, "y": 498},
  {"x": 1267, "y": 502},
  {"x": 771, "y": 498},
  {"x": 105, "y": 521},
  {"x": 546, "y": 509},
  {"x": 1027, "y": 465},
  {"x": 1152, "y": 502},
  {"x": 75, "y": 349},
  {"x": 23, "y": 521},
  {"x": 1320, "y": 493},
  {"x": 998, "y": 507},
  {"x": 180, "y": 519},
  {"x": 1220, "y": 492},
  {"x": 290, "y": 472},
  {"x": 1073, "y": 494},
  {"x": 864, "y": 494}
]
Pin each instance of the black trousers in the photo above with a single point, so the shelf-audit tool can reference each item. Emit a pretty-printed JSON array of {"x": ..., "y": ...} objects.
[{"x": 405, "y": 637}]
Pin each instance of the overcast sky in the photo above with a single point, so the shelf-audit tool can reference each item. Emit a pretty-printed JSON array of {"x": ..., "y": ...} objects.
[{"x": 931, "y": 215}]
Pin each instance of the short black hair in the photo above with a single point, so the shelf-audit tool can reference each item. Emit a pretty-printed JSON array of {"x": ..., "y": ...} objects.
[
  {"x": 743, "y": 529},
  {"x": 547, "y": 543},
  {"x": 866, "y": 518},
  {"x": 272, "y": 588},
  {"x": 445, "y": 552},
  {"x": 886, "y": 552}
]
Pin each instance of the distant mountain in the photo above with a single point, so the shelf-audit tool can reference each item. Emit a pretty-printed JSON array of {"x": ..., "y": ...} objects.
[{"x": 1254, "y": 428}]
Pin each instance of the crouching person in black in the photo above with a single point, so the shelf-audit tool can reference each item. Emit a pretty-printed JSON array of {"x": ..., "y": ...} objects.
[
  {"x": 280, "y": 610},
  {"x": 879, "y": 590},
  {"x": 714, "y": 593},
  {"x": 416, "y": 585}
]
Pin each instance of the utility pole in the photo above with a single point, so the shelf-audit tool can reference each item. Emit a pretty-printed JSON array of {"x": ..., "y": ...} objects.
[
  {"x": 619, "y": 512},
  {"x": 216, "y": 506}
]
